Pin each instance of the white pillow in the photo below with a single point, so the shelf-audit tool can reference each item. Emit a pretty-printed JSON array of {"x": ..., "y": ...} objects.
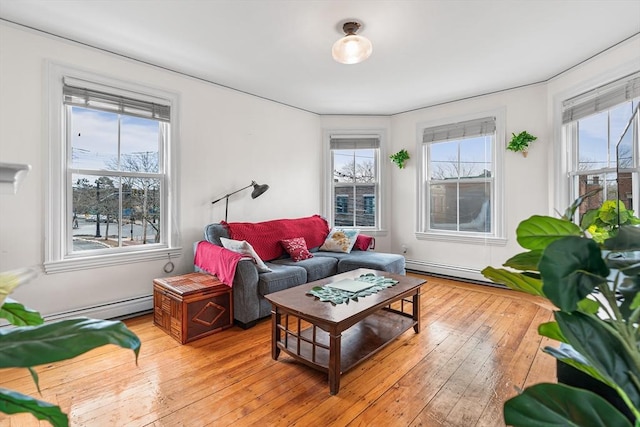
[
  {"x": 245, "y": 248},
  {"x": 340, "y": 240}
]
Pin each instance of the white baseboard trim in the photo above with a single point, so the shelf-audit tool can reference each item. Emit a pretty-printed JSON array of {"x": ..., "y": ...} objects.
[
  {"x": 446, "y": 270},
  {"x": 116, "y": 309}
]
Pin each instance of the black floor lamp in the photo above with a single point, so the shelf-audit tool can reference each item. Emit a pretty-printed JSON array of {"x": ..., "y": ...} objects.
[{"x": 257, "y": 191}]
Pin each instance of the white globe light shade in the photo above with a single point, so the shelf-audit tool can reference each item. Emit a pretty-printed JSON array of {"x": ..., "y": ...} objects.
[{"x": 351, "y": 49}]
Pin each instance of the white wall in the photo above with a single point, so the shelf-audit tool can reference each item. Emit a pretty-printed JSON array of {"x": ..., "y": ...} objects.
[
  {"x": 533, "y": 185},
  {"x": 525, "y": 181},
  {"x": 227, "y": 139}
]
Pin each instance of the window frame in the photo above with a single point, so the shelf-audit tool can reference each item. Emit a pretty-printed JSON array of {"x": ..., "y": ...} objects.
[
  {"x": 58, "y": 194},
  {"x": 423, "y": 231},
  {"x": 572, "y": 141},
  {"x": 328, "y": 187}
]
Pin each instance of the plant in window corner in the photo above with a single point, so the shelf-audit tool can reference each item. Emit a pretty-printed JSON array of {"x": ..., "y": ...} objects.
[
  {"x": 33, "y": 342},
  {"x": 603, "y": 221},
  {"x": 400, "y": 157},
  {"x": 520, "y": 142},
  {"x": 594, "y": 288}
]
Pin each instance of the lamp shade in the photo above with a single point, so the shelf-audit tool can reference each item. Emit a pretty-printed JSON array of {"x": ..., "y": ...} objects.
[
  {"x": 352, "y": 48},
  {"x": 258, "y": 189}
]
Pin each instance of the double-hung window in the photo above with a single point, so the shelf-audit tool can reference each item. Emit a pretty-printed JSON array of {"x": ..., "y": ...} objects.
[
  {"x": 113, "y": 163},
  {"x": 459, "y": 188},
  {"x": 355, "y": 180},
  {"x": 601, "y": 131}
]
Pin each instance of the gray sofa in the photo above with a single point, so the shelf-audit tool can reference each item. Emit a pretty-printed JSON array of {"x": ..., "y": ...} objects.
[{"x": 250, "y": 286}]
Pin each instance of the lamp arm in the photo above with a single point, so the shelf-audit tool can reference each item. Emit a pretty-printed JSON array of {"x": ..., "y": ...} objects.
[{"x": 230, "y": 194}]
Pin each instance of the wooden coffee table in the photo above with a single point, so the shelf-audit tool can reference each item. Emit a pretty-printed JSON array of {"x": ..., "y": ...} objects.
[{"x": 335, "y": 338}]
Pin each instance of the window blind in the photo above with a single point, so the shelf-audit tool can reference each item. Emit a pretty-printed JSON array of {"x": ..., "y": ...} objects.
[
  {"x": 601, "y": 99},
  {"x": 86, "y": 94},
  {"x": 354, "y": 143},
  {"x": 467, "y": 129}
]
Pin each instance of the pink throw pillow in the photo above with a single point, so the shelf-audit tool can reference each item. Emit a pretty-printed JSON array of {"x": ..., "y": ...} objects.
[{"x": 296, "y": 248}]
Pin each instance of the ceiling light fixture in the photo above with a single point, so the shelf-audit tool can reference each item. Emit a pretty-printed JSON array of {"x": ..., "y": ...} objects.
[{"x": 352, "y": 48}]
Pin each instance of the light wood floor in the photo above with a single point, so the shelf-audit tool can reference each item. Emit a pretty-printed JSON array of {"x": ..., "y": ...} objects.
[{"x": 476, "y": 345}]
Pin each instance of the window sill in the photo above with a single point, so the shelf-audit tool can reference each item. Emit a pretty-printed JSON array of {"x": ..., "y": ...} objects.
[
  {"x": 84, "y": 263},
  {"x": 470, "y": 238}
]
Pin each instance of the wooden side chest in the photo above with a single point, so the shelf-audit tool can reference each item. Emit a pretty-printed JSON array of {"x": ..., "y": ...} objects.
[{"x": 192, "y": 306}]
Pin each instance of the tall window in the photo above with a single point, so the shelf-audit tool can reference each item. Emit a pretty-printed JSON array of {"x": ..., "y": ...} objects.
[
  {"x": 459, "y": 179},
  {"x": 113, "y": 166},
  {"x": 601, "y": 158},
  {"x": 355, "y": 186}
]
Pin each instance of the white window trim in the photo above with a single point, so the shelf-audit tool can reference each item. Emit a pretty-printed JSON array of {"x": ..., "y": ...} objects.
[
  {"x": 327, "y": 200},
  {"x": 498, "y": 237},
  {"x": 55, "y": 260}
]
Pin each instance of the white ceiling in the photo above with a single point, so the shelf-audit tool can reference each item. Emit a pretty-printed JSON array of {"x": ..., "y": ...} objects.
[{"x": 424, "y": 52}]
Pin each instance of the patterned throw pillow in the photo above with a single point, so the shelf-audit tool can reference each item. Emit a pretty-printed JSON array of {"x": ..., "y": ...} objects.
[
  {"x": 340, "y": 240},
  {"x": 245, "y": 248},
  {"x": 296, "y": 248}
]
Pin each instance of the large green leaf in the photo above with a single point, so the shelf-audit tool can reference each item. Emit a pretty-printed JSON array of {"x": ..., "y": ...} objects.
[
  {"x": 516, "y": 281},
  {"x": 51, "y": 342},
  {"x": 571, "y": 268},
  {"x": 561, "y": 405},
  {"x": 551, "y": 330},
  {"x": 626, "y": 239},
  {"x": 630, "y": 289},
  {"x": 537, "y": 232},
  {"x": 12, "y": 402},
  {"x": 589, "y": 336},
  {"x": 19, "y": 315},
  {"x": 524, "y": 261},
  {"x": 567, "y": 355}
]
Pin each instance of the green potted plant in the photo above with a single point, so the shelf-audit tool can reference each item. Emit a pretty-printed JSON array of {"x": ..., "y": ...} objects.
[
  {"x": 400, "y": 157},
  {"x": 594, "y": 288},
  {"x": 33, "y": 342},
  {"x": 603, "y": 221},
  {"x": 520, "y": 142}
]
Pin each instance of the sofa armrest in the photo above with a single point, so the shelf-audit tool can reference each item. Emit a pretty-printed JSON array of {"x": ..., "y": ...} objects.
[{"x": 246, "y": 302}]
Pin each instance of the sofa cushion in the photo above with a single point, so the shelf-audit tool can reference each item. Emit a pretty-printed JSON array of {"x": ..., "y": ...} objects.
[
  {"x": 340, "y": 240},
  {"x": 392, "y": 263},
  {"x": 317, "y": 268},
  {"x": 281, "y": 277},
  {"x": 296, "y": 248}
]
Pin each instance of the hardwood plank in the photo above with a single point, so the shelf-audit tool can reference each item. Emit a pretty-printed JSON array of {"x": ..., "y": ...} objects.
[{"x": 476, "y": 345}]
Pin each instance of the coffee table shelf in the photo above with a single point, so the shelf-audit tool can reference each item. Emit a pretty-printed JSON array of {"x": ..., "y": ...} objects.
[{"x": 358, "y": 343}]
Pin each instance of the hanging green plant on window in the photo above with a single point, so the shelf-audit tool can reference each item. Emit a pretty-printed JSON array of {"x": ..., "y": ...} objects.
[{"x": 400, "y": 157}]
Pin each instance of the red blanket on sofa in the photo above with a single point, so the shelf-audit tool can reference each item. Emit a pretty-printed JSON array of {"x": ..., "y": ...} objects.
[{"x": 265, "y": 236}]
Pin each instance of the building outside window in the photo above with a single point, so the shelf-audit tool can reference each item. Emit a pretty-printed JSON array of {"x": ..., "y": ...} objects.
[
  {"x": 113, "y": 162},
  {"x": 603, "y": 144},
  {"x": 342, "y": 204},
  {"x": 459, "y": 187},
  {"x": 355, "y": 183}
]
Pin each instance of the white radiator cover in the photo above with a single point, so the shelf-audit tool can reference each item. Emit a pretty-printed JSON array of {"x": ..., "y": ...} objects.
[
  {"x": 446, "y": 270},
  {"x": 116, "y": 309}
]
